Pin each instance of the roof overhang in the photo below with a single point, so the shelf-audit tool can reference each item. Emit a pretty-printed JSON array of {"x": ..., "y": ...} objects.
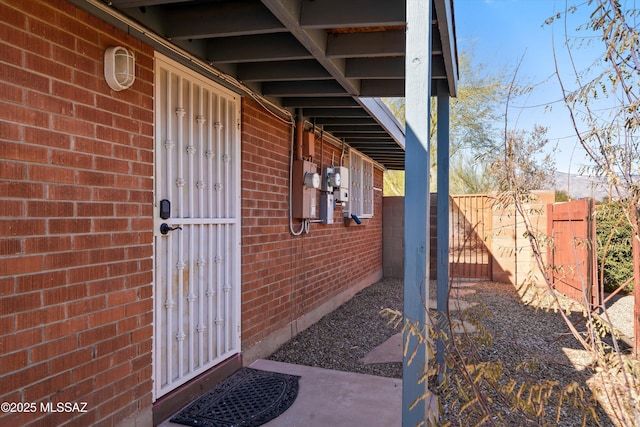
[{"x": 328, "y": 59}]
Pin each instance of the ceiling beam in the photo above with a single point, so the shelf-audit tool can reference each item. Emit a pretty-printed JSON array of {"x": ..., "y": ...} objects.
[
  {"x": 379, "y": 147},
  {"x": 314, "y": 40},
  {"x": 446, "y": 30},
  {"x": 382, "y": 154},
  {"x": 375, "y": 128},
  {"x": 307, "y": 69},
  {"x": 319, "y": 102},
  {"x": 375, "y": 68},
  {"x": 391, "y": 153},
  {"x": 381, "y": 113},
  {"x": 369, "y": 44},
  {"x": 352, "y": 13},
  {"x": 392, "y": 88},
  {"x": 224, "y": 19},
  {"x": 364, "y": 135},
  {"x": 258, "y": 48},
  {"x": 335, "y": 112},
  {"x": 302, "y": 88},
  {"x": 345, "y": 121}
]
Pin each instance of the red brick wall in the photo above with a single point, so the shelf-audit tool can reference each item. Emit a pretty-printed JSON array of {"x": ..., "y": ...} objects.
[
  {"x": 76, "y": 238},
  {"x": 76, "y": 185},
  {"x": 284, "y": 276}
]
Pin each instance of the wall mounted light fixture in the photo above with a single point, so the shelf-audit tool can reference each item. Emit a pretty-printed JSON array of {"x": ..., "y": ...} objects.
[{"x": 119, "y": 68}]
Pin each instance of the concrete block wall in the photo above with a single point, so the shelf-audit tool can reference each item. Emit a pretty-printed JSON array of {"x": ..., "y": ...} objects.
[
  {"x": 393, "y": 232},
  {"x": 513, "y": 260},
  {"x": 76, "y": 189}
]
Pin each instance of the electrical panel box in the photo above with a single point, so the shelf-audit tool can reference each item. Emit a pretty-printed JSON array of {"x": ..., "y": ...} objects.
[
  {"x": 308, "y": 144},
  {"x": 326, "y": 208},
  {"x": 305, "y": 182},
  {"x": 341, "y": 191}
]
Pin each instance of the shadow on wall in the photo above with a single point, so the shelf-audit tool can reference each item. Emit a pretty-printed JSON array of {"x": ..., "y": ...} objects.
[{"x": 486, "y": 240}]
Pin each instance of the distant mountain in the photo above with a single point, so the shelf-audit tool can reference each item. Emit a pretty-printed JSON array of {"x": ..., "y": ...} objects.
[{"x": 579, "y": 186}]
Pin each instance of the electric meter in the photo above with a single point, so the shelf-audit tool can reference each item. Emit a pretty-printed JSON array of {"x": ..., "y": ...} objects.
[
  {"x": 311, "y": 180},
  {"x": 334, "y": 179},
  {"x": 330, "y": 179},
  {"x": 341, "y": 190}
]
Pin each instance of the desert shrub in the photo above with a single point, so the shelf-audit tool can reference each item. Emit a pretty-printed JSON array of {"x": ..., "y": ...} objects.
[
  {"x": 613, "y": 234},
  {"x": 562, "y": 196}
]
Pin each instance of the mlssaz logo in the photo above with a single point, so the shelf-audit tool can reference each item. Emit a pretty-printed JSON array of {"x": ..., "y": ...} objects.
[{"x": 78, "y": 407}]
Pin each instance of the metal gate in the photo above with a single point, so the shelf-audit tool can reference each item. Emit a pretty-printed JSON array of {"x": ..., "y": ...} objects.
[
  {"x": 471, "y": 222},
  {"x": 572, "y": 255},
  {"x": 470, "y": 228},
  {"x": 197, "y": 238}
]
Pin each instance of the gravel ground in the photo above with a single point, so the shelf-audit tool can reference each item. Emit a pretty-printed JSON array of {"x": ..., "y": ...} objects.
[
  {"x": 539, "y": 340},
  {"x": 341, "y": 338},
  {"x": 620, "y": 312}
]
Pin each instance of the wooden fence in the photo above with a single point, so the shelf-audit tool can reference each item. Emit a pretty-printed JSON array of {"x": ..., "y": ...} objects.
[{"x": 572, "y": 255}]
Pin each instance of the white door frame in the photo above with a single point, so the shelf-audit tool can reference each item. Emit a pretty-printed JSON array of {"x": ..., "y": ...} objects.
[{"x": 227, "y": 223}]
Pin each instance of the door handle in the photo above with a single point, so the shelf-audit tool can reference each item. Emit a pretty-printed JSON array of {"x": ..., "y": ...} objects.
[{"x": 166, "y": 228}]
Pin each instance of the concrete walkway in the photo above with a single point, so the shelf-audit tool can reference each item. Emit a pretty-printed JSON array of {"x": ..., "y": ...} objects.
[
  {"x": 334, "y": 398},
  {"x": 345, "y": 399},
  {"x": 338, "y": 399}
]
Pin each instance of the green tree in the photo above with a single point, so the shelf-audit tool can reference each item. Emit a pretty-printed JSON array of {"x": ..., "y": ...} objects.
[
  {"x": 474, "y": 114},
  {"x": 525, "y": 164},
  {"x": 393, "y": 184},
  {"x": 562, "y": 196},
  {"x": 470, "y": 176}
]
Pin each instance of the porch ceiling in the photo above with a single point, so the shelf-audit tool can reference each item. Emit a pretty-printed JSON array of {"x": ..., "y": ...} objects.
[{"x": 326, "y": 57}]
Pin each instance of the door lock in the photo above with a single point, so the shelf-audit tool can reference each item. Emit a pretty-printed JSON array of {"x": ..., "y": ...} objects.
[
  {"x": 165, "y": 209},
  {"x": 166, "y": 228}
]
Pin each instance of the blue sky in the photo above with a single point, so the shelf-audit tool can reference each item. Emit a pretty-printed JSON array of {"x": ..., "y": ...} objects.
[{"x": 501, "y": 33}]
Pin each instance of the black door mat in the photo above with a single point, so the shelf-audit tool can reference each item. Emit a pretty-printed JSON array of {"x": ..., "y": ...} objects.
[{"x": 248, "y": 398}]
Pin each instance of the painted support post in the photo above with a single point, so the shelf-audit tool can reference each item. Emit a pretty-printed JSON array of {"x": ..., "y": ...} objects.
[
  {"x": 442, "y": 203},
  {"x": 416, "y": 209}
]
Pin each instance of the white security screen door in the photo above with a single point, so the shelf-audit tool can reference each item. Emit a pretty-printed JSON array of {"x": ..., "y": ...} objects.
[{"x": 197, "y": 225}]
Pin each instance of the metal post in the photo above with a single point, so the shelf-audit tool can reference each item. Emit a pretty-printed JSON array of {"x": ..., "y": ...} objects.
[
  {"x": 442, "y": 204},
  {"x": 416, "y": 211}
]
